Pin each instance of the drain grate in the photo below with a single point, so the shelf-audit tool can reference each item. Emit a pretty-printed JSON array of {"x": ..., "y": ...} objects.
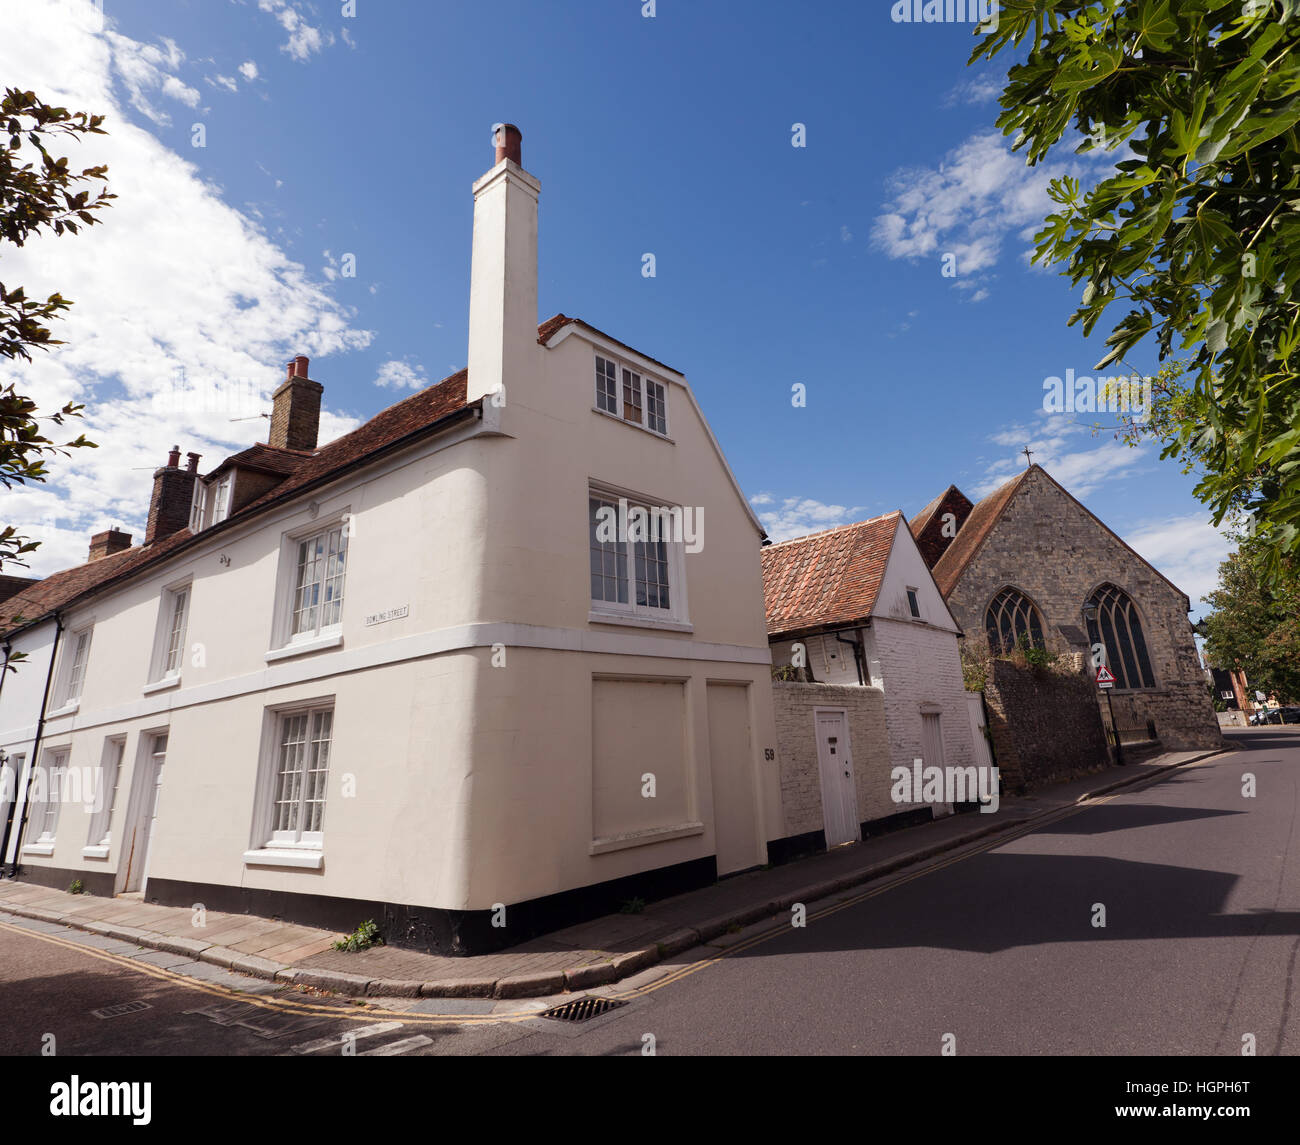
[
  {"x": 582, "y": 1009},
  {"x": 120, "y": 1009}
]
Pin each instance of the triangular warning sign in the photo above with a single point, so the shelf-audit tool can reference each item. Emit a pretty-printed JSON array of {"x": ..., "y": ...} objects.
[{"x": 1104, "y": 675}]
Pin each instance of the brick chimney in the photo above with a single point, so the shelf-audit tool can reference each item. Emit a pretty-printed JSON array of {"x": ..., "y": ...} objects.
[
  {"x": 295, "y": 409},
  {"x": 503, "y": 274},
  {"x": 107, "y": 543},
  {"x": 173, "y": 493}
]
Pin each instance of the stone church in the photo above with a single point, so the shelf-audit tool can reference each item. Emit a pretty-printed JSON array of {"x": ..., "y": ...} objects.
[{"x": 1030, "y": 563}]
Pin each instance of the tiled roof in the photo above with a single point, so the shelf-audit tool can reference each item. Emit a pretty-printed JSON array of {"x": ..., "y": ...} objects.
[
  {"x": 826, "y": 579},
  {"x": 60, "y": 588},
  {"x": 267, "y": 459},
  {"x": 919, "y": 522},
  {"x": 970, "y": 538}
]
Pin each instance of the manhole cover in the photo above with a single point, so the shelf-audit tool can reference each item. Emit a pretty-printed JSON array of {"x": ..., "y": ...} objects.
[
  {"x": 582, "y": 1009},
  {"x": 120, "y": 1009}
]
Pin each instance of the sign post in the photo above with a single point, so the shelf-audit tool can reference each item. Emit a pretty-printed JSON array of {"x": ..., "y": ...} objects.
[{"x": 1106, "y": 681}]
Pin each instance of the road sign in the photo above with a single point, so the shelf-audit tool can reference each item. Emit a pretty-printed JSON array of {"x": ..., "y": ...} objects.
[{"x": 1104, "y": 677}]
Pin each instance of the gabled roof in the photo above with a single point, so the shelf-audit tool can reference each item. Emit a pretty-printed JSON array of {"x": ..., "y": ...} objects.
[
  {"x": 919, "y": 522},
  {"x": 986, "y": 514},
  {"x": 827, "y": 580},
  {"x": 972, "y": 535}
]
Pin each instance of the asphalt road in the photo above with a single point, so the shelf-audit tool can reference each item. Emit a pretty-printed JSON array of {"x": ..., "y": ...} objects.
[
  {"x": 1201, "y": 889},
  {"x": 994, "y": 949}
]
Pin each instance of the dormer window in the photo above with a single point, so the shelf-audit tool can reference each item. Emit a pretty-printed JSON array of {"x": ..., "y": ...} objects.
[
  {"x": 211, "y": 504},
  {"x": 630, "y": 395}
]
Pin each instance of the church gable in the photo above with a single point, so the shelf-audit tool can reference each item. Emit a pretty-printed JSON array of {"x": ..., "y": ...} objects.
[
  {"x": 1046, "y": 544},
  {"x": 1033, "y": 538},
  {"x": 937, "y": 525}
]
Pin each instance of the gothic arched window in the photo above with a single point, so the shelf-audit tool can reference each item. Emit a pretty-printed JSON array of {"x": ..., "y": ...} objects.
[
  {"x": 1113, "y": 622},
  {"x": 1011, "y": 616}
]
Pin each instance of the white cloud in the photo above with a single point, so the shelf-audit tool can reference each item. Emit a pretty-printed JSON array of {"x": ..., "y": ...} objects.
[
  {"x": 227, "y": 82},
  {"x": 978, "y": 196},
  {"x": 248, "y": 70},
  {"x": 1188, "y": 550},
  {"x": 980, "y": 90},
  {"x": 304, "y": 38},
  {"x": 173, "y": 278},
  {"x": 400, "y": 376},
  {"x": 147, "y": 68},
  {"x": 1056, "y": 443},
  {"x": 798, "y": 516},
  {"x": 846, "y": 235}
]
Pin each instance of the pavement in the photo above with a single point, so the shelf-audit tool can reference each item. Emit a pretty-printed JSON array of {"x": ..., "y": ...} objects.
[{"x": 590, "y": 955}]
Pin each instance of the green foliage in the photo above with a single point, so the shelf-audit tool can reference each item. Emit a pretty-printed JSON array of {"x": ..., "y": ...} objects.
[
  {"x": 38, "y": 192},
  {"x": 1197, "y": 233},
  {"x": 632, "y": 906},
  {"x": 975, "y": 658},
  {"x": 1255, "y": 625},
  {"x": 76, "y": 887},
  {"x": 363, "y": 938}
]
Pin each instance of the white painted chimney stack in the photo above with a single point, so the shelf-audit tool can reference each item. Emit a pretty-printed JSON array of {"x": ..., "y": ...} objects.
[{"x": 503, "y": 276}]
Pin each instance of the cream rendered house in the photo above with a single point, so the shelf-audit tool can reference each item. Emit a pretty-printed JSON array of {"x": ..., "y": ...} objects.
[{"x": 420, "y": 674}]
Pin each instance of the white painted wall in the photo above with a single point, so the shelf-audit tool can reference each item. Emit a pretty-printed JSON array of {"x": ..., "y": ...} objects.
[{"x": 473, "y": 782}]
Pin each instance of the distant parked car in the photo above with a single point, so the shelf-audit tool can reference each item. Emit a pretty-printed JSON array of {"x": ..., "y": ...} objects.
[
  {"x": 1290, "y": 715},
  {"x": 1265, "y": 716}
]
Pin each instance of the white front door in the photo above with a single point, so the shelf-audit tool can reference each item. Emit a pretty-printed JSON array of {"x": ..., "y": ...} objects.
[
  {"x": 839, "y": 791},
  {"x": 139, "y": 844}
]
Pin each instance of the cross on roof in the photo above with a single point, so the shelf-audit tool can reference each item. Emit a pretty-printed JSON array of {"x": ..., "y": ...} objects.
[{"x": 1028, "y": 453}]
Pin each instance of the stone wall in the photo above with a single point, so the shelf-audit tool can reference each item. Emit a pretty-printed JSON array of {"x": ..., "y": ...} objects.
[
  {"x": 1045, "y": 724},
  {"x": 801, "y": 792},
  {"x": 1055, "y": 552}
]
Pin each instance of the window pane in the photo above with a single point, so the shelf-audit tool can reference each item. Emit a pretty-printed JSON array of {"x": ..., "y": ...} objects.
[
  {"x": 652, "y": 574},
  {"x": 606, "y": 385},
  {"x": 631, "y": 396},
  {"x": 655, "y": 408}
]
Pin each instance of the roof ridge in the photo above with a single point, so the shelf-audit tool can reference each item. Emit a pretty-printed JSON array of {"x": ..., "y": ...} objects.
[{"x": 835, "y": 529}]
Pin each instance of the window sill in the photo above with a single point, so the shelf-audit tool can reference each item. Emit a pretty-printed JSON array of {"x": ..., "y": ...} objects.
[
  {"x": 95, "y": 852},
  {"x": 307, "y": 860},
  {"x": 162, "y": 685},
  {"x": 38, "y": 849},
  {"x": 630, "y": 620},
  {"x": 633, "y": 424},
  {"x": 317, "y": 645},
  {"x": 66, "y": 710},
  {"x": 641, "y": 838}
]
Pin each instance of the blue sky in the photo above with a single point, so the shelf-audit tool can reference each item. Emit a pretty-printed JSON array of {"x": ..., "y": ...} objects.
[{"x": 328, "y": 135}]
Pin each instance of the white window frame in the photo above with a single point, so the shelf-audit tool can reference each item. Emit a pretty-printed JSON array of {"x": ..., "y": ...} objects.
[
  {"x": 199, "y": 507},
  {"x": 159, "y": 672},
  {"x": 270, "y": 846},
  {"x": 100, "y": 838},
  {"x": 222, "y": 495},
  {"x": 914, "y": 598},
  {"x": 285, "y": 641},
  {"x": 72, "y": 671},
  {"x": 621, "y": 366},
  {"x": 676, "y": 616},
  {"x": 45, "y": 825}
]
